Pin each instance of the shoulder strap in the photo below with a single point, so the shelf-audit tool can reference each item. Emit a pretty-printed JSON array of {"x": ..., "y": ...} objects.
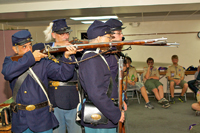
[
  {"x": 97, "y": 52},
  {"x": 18, "y": 84},
  {"x": 36, "y": 78},
  {"x": 109, "y": 91},
  {"x": 21, "y": 79},
  {"x": 116, "y": 57},
  {"x": 31, "y": 73}
]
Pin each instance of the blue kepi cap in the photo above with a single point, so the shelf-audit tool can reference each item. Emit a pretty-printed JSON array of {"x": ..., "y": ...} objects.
[
  {"x": 21, "y": 37},
  {"x": 97, "y": 28},
  {"x": 60, "y": 26}
]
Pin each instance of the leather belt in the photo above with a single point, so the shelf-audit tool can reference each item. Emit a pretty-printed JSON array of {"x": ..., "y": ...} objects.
[
  {"x": 32, "y": 107},
  {"x": 58, "y": 83}
]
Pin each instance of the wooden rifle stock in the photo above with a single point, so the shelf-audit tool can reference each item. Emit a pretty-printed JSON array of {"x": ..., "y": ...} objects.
[
  {"x": 120, "y": 76},
  {"x": 57, "y": 49}
]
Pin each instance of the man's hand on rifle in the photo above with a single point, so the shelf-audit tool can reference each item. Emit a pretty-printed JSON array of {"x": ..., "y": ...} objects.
[
  {"x": 66, "y": 43},
  {"x": 38, "y": 55},
  {"x": 122, "y": 118},
  {"x": 70, "y": 50}
]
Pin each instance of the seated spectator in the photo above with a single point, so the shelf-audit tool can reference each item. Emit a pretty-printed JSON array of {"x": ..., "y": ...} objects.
[
  {"x": 191, "y": 84},
  {"x": 196, "y": 106},
  {"x": 152, "y": 83},
  {"x": 193, "y": 87},
  {"x": 175, "y": 75},
  {"x": 130, "y": 75}
]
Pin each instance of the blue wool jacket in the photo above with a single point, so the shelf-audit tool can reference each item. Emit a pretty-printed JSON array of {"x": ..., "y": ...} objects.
[
  {"x": 95, "y": 80},
  {"x": 30, "y": 92}
]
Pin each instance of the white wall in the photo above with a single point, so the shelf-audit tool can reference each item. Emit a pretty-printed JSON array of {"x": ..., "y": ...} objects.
[{"x": 188, "y": 50}]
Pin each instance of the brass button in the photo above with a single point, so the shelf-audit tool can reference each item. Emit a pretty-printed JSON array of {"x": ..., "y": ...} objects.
[{"x": 25, "y": 92}]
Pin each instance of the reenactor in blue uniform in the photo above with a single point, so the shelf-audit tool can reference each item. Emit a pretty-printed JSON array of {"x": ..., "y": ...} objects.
[
  {"x": 32, "y": 112},
  {"x": 112, "y": 59},
  {"x": 95, "y": 79},
  {"x": 63, "y": 95},
  {"x": 196, "y": 106}
]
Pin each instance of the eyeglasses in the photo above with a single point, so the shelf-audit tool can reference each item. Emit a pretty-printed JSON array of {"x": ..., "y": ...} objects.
[
  {"x": 62, "y": 34},
  {"x": 119, "y": 33},
  {"x": 27, "y": 45}
]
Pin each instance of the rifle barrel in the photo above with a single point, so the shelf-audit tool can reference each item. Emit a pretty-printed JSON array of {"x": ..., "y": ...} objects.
[{"x": 147, "y": 42}]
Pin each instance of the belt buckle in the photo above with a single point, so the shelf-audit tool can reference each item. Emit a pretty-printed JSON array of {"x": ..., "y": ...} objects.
[
  {"x": 30, "y": 107},
  {"x": 55, "y": 83}
]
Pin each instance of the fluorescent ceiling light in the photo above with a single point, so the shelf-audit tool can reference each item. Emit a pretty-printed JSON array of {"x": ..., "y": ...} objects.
[
  {"x": 90, "y": 22},
  {"x": 93, "y": 18}
]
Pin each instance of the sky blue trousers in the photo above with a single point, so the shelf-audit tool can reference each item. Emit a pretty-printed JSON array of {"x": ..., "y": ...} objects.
[
  {"x": 29, "y": 131},
  {"x": 66, "y": 119},
  {"x": 100, "y": 130}
]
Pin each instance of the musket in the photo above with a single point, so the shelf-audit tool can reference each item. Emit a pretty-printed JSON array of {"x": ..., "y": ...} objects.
[
  {"x": 120, "y": 83},
  {"x": 124, "y": 87},
  {"x": 147, "y": 42}
]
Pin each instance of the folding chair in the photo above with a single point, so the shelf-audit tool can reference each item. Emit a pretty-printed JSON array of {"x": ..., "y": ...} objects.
[
  {"x": 176, "y": 87},
  {"x": 132, "y": 90}
]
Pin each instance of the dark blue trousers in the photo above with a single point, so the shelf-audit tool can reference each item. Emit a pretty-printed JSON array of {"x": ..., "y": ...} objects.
[{"x": 192, "y": 86}]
